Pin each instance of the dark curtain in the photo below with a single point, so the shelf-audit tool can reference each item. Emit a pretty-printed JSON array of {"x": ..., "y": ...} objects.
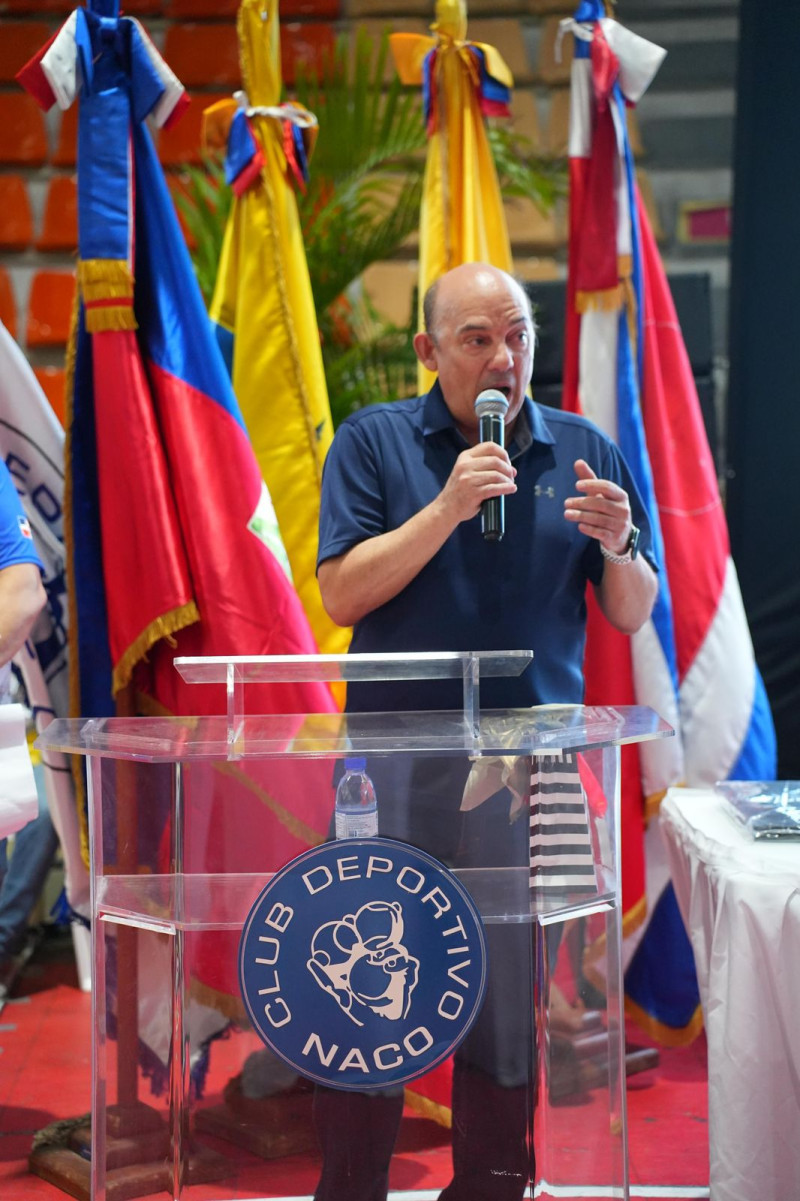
[{"x": 763, "y": 425}]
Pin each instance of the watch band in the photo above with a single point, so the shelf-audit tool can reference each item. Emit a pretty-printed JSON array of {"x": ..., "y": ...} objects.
[{"x": 630, "y": 551}]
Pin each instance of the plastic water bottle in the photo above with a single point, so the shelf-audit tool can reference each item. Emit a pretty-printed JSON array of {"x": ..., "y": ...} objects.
[{"x": 356, "y": 804}]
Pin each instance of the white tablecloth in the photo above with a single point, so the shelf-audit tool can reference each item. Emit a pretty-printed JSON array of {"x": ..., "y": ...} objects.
[{"x": 740, "y": 900}]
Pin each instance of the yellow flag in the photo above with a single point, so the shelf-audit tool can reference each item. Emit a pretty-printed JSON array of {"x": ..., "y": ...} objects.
[
  {"x": 264, "y": 309},
  {"x": 461, "y": 217}
]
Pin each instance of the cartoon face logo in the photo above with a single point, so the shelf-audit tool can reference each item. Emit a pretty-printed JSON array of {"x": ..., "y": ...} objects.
[{"x": 361, "y": 962}]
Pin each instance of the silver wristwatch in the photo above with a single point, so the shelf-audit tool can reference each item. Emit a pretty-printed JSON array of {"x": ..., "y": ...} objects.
[{"x": 630, "y": 550}]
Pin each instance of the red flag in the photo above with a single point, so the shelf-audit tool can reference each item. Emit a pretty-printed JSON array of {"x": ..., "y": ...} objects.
[{"x": 170, "y": 529}]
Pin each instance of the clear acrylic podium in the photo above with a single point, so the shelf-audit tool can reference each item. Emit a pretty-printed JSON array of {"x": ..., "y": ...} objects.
[{"x": 189, "y": 819}]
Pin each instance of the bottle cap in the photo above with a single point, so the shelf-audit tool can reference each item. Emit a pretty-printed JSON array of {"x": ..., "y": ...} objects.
[{"x": 355, "y": 764}]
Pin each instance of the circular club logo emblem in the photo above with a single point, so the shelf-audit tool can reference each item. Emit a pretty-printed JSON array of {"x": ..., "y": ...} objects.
[{"x": 363, "y": 963}]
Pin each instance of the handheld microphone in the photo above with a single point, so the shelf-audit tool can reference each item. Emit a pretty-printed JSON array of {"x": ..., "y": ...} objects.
[{"x": 491, "y": 407}]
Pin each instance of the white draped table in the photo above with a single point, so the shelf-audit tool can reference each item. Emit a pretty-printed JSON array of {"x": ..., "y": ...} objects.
[{"x": 740, "y": 900}]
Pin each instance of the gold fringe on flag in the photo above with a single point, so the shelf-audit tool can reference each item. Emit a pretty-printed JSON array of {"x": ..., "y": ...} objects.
[
  {"x": 169, "y": 623},
  {"x": 625, "y": 266},
  {"x": 101, "y": 280},
  {"x": 295, "y": 825},
  {"x": 229, "y": 1007},
  {"x": 426, "y": 1108},
  {"x": 107, "y": 290},
  {"x": 76, "y": 762},
  {"x": 105, "y": 272},
  {"x": 666, "y": 1035},
  {"x": 606, "y": 301},
  {"x": 109, "y": 317}
]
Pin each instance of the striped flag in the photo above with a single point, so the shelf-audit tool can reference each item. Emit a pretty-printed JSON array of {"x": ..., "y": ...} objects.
[{"x": 627, "y": 369}]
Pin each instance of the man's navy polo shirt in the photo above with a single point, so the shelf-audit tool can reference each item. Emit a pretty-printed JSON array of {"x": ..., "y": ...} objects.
[{"x": 525, "y": 592}]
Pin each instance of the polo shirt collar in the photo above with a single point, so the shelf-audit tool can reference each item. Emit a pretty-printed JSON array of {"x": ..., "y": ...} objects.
[
  {"x": 537, "y": 427},
  {"x": 436, "y": 415},
  {"x": 531, "y": 426}
]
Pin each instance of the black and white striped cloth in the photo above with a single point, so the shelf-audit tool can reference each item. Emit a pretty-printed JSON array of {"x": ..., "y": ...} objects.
[{"x": 560, "y": 838}]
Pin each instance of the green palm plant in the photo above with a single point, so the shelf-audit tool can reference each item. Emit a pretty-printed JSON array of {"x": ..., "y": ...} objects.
[
  {"x": 361, "y": 205},
  {"x": 364, "y": 193}
]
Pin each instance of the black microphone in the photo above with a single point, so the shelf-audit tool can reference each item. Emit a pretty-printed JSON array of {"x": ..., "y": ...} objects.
[{"x": 491, "y": 407}]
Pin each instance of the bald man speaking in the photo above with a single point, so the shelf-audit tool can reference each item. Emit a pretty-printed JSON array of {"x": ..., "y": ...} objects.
[{"x": 402, "y": 559}]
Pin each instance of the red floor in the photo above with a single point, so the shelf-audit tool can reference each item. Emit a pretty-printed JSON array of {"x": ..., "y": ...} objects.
[{"x": 44, "y": 1077}]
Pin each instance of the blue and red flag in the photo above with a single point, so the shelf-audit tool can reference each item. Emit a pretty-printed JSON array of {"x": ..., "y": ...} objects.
[
  {"x": 166, "y": 507},
  {"x": 626, "y": 368}
]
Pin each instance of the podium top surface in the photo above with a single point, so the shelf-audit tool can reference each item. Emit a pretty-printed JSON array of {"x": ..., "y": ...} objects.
[{"x": 545, "y": 730}]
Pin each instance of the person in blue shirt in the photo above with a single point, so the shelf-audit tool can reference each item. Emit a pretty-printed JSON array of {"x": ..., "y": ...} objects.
[
  {"x": 402, "y": 560},
  {"x": 22, "y": 598}
]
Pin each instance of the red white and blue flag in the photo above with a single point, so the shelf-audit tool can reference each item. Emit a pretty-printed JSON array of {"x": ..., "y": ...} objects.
[
  {"x": 627, "y": 369},
  {"x": 165, "y": 496}
]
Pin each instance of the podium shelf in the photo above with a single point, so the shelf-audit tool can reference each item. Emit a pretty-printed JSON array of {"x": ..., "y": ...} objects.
[{"x": 209, "y": 901}]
